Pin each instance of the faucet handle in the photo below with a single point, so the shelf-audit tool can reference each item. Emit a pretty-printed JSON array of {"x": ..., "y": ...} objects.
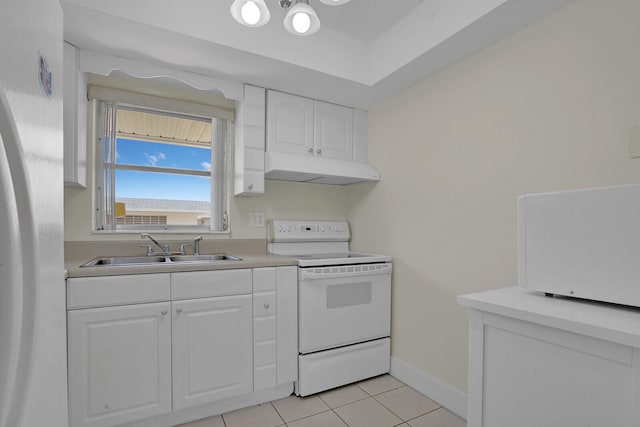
[
  {"x": 149, "y": 250},
  {"x": 183, "y": 246},
  {"x": 196, "y": 245}
]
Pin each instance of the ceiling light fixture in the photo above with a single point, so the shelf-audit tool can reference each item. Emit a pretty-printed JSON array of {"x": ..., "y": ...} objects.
[
  {"x": 252, "y": 13},
  {"x": 300, "y": 20}
]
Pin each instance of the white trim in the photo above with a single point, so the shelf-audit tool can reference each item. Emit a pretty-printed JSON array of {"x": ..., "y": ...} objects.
[
  {"x": 452, "y": 399},
  {"x": 97, "y": 63},
  {"x": 143, "y": 102},
  {"x": 476, "y": 367}
]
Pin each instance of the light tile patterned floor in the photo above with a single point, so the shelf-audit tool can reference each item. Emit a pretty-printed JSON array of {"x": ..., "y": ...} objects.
[{"x": 378, "y": 402}]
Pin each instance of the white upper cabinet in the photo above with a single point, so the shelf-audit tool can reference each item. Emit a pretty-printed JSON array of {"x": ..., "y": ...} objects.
[
  {"x": 290, "y": 123},
  {"x": 306, "y": 141},
  {"x": 315, "y": 141},
  {"x": 75, "y": 120},
  {"x": 249, "y": 143},
  {"x": 333, "y": 131},
  {"x": 298, "y": 125}
]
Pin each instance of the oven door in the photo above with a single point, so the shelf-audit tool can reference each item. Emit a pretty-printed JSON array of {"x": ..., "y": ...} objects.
[{"x": 342, "y": 305}]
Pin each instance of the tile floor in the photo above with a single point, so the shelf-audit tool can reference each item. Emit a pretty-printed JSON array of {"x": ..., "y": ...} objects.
[{"x": 378, "y": 402}]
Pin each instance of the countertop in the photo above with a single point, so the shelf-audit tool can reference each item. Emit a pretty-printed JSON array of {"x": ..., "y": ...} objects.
[
  {"x": 610, "y": 322},
  {"x": 252, "y": 254}
]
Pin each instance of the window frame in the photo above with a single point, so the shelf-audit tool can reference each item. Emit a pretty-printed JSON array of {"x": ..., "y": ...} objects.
[{"x": 105, "y": 162}]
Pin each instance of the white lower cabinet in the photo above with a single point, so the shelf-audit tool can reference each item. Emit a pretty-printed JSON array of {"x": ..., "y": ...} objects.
[
  {"x": 119, "y": 364},
  {"x": 212, "y": 344},
  {"x": 537, "y": 361},
  {"x": 275, "y": 326},
  {"x": 217, "y": 332}
]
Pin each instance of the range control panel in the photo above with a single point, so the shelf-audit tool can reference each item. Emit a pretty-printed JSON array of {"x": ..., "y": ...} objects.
[{"x": 308, "y": 231}]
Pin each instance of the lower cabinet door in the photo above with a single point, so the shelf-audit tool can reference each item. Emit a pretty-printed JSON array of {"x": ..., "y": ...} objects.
[
  {"x": 212, "y": 348},
  {"x": 119, "y": 364}
]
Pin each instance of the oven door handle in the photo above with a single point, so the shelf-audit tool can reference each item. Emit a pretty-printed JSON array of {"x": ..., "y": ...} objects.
[{"x": 317, "y": 273}]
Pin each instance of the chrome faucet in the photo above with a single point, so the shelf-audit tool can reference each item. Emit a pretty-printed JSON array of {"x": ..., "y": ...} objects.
[
  {"x": 163, "y": 248},
  {"x": 196, "y": 245}
]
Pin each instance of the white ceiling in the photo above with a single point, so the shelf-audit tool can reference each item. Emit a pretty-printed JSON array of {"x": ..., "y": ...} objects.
[{"x": 366, "y": 50}]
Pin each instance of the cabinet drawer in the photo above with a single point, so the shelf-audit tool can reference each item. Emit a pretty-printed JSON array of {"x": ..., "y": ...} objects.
[
  {"x": 264, "y": 328},
  {"x": 201, "y": 284},
  {"x": 264, "y": 353},
  {"x": 83, "y": 292},
  {"x": 264, "y": 377},
  {"x": 264, "y": 304},
  {"x": 264, "y": 279}
]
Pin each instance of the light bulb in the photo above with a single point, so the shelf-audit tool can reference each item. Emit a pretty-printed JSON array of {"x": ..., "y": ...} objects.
[
  {"x": 250, "y": 13},
  {"x": 301, "y": 19},
  {"x": 301, "y": 22}
]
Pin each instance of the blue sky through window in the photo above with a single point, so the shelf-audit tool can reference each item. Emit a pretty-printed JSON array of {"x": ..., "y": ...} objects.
[{"x": 152, "y": 185}]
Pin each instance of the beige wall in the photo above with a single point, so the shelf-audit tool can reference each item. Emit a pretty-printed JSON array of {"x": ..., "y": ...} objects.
[{"x": 548, "y": 108}]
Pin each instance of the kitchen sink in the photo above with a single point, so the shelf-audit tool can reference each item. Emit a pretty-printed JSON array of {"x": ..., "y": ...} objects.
[
  {"x": 203, "y": 258},
  {"x": 124, "y": 260},
  {"x": 156, "y": 260}
]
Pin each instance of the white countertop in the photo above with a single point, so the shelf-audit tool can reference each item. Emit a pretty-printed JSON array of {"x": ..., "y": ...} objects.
[{"x": 615, "y": 323}]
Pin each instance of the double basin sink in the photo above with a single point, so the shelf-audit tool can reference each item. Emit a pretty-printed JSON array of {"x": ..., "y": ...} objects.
[{"x": 156, "y": 260}]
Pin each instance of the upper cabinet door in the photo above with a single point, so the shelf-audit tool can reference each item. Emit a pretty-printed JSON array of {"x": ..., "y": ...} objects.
[
  {"x": 333, "y": 131},
  {"x": 289, "y": 123}
]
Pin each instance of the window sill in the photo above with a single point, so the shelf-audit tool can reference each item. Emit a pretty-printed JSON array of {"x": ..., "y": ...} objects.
[{"x": 152, "y": 231}]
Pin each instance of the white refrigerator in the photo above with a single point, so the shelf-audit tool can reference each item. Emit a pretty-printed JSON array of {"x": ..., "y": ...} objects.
[{"x": 33, "y": 371}]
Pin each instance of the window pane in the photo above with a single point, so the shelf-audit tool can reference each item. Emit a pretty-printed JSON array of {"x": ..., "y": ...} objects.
[
  {"x": 182, "y": 199},
  {"x": 134, "y": 152},
  {"x": 149, "y": 146}
]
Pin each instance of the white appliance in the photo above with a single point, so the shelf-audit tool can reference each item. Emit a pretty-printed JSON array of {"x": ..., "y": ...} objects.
[
  {"x": 582, "y": 243},
  {"x": 344, "y": 304},
  {"x": 33, "y": 362}
]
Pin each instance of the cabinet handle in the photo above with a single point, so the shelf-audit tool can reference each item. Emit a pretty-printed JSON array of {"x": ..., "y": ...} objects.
[
  {"x": 311, "y": 150},
  {"x": 178, "y": 310},
  {"x": 319, "y": 151},
  {"x": 250, "y": 186},
  {"x": 164, "y": 311},
  {"x": 266, "y": 306}
]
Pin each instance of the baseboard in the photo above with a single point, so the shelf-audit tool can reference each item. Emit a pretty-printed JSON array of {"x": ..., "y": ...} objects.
[{"x": 452, "y": 399}]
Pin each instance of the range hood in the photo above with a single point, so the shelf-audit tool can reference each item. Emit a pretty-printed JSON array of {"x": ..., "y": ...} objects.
[{"x": 292, "y": 167}]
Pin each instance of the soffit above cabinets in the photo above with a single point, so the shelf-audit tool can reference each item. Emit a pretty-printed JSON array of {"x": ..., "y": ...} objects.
[{"x": 366, "y": 50}]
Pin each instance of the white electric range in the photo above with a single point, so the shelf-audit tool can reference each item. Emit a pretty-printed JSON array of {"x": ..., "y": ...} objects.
[{"x": 344, "y": 304}]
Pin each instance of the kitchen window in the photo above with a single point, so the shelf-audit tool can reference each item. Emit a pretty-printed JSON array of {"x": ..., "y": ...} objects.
[{"x": 161, "y": 164}]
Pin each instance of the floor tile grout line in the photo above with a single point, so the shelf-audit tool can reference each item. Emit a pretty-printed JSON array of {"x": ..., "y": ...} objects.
[
  {"x": 308, "y": 416},
  {"x": 422, "y": 415},
  {"x": 338, "y": 415},
  {"x": 345, "y": 404},
  {"x": 385, "y": 391},
  {"x": 278, "y": 412},
  {"x": 389, "y": 409},
  {"x": 404, "y": 421}
]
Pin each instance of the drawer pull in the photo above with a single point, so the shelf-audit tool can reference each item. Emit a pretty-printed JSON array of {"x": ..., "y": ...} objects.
[{"x": 266, "y": 306}]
